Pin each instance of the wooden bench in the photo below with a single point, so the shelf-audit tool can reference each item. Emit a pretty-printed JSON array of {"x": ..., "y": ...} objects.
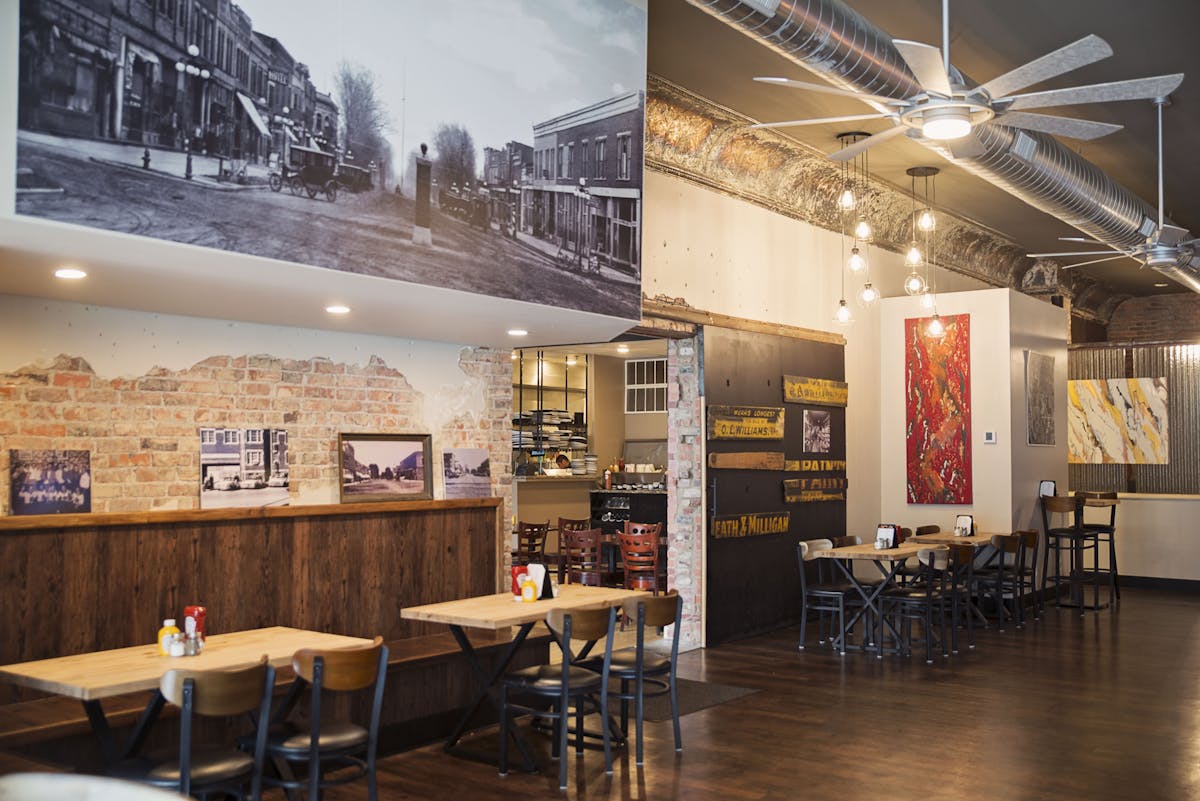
[{"x": 26, "y": 724}]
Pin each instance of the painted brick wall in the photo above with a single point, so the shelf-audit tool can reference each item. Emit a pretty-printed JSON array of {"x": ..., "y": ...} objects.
[
  {"x": 143, "y": 432},
  {"x": 1169, "y": 318},
  {"x": 685, "y": 477}
]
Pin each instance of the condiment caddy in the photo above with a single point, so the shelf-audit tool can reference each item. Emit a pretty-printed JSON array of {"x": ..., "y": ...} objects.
[{"x": 190, "y": 641}]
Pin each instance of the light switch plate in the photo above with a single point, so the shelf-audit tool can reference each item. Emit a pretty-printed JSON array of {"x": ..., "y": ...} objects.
[{"x": 989, "y": 437}]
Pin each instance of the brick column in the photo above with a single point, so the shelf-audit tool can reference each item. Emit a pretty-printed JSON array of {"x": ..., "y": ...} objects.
[{"x": 685, "y": 485}]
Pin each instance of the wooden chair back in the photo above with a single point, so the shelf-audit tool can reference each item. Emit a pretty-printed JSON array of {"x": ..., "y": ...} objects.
[
  {"x": 1096, "y": 499},
  {"x": 572, "y": 524},
  {"x": 660, "y": 610},
  {"x": 580, "y": 551},
  {"x": 587, "y": 623},
  {"x": 639, "y": 553},
  {"x": 808, "y": 547},
  {"x": 1062, "y": 504},
  {"x": 344, "y": 668},
  {"x": 933, "y": 528},
  {"x": 531, "y": 542},
  {"x": 218, "y": 692}
]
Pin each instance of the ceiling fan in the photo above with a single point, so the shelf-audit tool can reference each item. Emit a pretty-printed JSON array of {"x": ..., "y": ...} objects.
[
  {"x": 946, "y": 110},
  {"x": 1165, "y": 245}
]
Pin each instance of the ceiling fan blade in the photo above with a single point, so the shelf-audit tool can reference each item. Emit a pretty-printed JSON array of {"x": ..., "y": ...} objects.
[
  {"x": 1059, "y": 126},
  {"x": 819, "y": 121},
  {"x": 1076, "y": 253},
  {"x": 1172, "y": 235},
  {"x": 1095, "y": 261},
  {"x": 1136, "y": 89},
  {"x": 925, "y": 61},
  {"x": 966, "y": 147},
  {"x": 829, "y": 90},
  {"x": 1087, "y": 50},
  {"x": 850, "y": 151}
]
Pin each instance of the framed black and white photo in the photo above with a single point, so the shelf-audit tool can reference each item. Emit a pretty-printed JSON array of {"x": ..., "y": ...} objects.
[
  {"x": 243, "y": 467},
  {"x": 817, "y": 431},
  {"x": 385, "y": 467},
  {"x": 47, "y": 482}
]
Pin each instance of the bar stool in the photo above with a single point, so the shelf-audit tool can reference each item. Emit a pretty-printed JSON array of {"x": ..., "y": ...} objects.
[
  {"x": 1105, "y": 532},
  {"x": 1073, "y": 538}
]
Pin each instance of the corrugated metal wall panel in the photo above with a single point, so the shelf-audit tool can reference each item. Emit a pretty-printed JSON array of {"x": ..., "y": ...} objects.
[{"x": 1180, "y": 364}]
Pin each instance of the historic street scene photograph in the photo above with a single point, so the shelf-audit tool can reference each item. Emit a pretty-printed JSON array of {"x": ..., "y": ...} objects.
[
  {"x": 446, "y": 144},
  {"x": 243, "y": 467}
]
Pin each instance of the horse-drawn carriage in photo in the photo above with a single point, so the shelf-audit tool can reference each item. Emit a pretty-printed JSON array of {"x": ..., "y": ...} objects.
[{"x": 307, "y": 171}]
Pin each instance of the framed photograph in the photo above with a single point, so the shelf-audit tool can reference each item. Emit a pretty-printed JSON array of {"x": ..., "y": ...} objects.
[
  {"x": 243, "y": 467},
  {"x": 468, "y": 472},
  {"x": 50, "y": 482},
  {"x": 385, "y": 467}
]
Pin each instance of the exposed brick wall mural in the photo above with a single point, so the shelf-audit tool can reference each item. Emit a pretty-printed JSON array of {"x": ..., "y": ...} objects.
[
  {"x": 143, "y": 432},
  {"x": 1162, "y": 318}
]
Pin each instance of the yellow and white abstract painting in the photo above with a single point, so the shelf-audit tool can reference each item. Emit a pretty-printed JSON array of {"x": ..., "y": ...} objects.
[{"x": 1117, "y": 421}]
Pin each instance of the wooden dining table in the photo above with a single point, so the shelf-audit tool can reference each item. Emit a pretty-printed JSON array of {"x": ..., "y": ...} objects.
[
  {"x": 97, "y": 675},
  {"x": 494, "y": 613}
]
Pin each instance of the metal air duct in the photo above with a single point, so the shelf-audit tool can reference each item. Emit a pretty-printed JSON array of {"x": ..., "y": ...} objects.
[{"x": 829, "y": 38}]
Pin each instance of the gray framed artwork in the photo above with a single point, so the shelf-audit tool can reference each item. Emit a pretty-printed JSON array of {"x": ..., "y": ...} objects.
[{"x": 1039, "y": 398}]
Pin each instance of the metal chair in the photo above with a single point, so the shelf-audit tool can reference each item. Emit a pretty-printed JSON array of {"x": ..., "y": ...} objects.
[
  {"x": 324, "y": 746},
  {"x": 1105, "y": 533},
  {"x": 924, "y": 599},
  {"x": 199, "y": 771},
  {"x": 1008, "y": 578},
  {"x": 1070, "y": 536},
  {"x": 564, "y": 685},
  {"x": 823, "y": 597}
]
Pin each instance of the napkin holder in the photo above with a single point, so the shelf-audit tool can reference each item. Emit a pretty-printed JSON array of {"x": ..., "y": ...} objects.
[
  {"x": 887, "y": 535},
  {"x": 541, "y": 578},
  {"x": 964, "y": 526}
]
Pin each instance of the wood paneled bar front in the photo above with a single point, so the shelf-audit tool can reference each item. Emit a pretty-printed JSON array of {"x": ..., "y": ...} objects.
[{"x": 77, "y": 583}]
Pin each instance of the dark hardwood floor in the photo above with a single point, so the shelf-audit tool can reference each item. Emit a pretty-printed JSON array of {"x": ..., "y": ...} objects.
[{"x": 1106, "y": 706}]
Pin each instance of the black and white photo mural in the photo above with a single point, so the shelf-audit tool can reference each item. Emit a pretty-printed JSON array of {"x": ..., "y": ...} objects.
[{"x": 488, "y": 147}]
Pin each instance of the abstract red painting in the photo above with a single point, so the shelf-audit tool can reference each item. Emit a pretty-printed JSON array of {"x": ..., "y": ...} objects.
[{"x": 937, "y": 403}]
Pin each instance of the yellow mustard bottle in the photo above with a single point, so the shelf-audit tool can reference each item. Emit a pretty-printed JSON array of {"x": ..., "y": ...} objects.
[{"x": 164, "y": 634}]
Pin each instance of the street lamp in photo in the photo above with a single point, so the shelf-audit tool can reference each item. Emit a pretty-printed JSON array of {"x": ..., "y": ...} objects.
[
  {"x": 584, "y": 195},
  {"x": 197, "y": 69}
]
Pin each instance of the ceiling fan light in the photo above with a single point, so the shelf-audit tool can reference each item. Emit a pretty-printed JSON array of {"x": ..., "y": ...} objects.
[
  {"x": 856, "y": 262},
  {"x": 946, "y": 123},
  {"x": 846, "y": 200},
  {"x": 862, "y": 229},
  {"x": 926, "y": 220},
  {"x": 914, "y": 284}
]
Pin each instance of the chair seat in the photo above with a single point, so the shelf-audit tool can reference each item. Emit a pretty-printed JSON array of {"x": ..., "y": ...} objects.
[
  {"x": 547, "y": 679},
  {"x": 209, "y": 766},
  {"x": 624, "y": 663},
  {"x": 289, "y": 739}
]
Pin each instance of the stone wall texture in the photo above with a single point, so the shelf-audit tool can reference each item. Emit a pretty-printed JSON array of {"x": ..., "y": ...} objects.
[
  {"x": 685, "y": 485},
  {"x": 143, "y": 432},
  {"x": 1161, "y": 318}
]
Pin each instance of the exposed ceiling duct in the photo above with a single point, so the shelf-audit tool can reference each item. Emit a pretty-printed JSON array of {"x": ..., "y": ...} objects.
[{"x": 847, "y": 50}]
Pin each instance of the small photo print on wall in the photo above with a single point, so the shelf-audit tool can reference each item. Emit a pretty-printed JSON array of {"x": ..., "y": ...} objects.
[
  {"x": 468, "y": 473},
  {"x": 243, "y": 467},
  {"x": 817, "y": 432},
  {"x": 385, "y": 467},
  {"x": 49, "y": 482}
]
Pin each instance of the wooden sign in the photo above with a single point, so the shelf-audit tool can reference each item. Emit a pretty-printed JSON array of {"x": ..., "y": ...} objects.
[
  {"x": 755, "y": 460},
  {"x": 745, "y": 422},
  {"x": 750, "y": 525},
  {"x": 817, "y": 391},
  {"x": 814, "y": 465},
  {"x": 808, "y": 490}
]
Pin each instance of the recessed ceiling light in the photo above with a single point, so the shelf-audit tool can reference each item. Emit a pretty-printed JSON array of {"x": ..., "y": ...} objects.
[
  {"x": 622, "y": 349},
  {"x": 70, "y": 273},
  {"x": 337, "y": 309},
  {"x": 517, "y": 332}
]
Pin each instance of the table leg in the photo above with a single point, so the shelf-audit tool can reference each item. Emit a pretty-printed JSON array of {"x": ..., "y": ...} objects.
[
  {"x": 137, "y": 738},
  {"x": 869, "y": 602},
  {"x": 487, "y": 686},
  {"x": 100, "y": 727}
]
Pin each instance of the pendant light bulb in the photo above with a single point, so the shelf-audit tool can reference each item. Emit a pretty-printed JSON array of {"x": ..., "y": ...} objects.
[
  {"x": 926, "y": 221},
  {"x": 847, "y": 201},
  {"x": 914, "y": 284},
  {"x": 843, "y": 314},
  {"x": 862, "y": 229},
  {"x": 928, "y": 300},
  {"x": 935, "y": 328},
  {"x": 868, "y": 294},
  {"x": 913, "y": 258},
  {"x": 856, "y": 262}
]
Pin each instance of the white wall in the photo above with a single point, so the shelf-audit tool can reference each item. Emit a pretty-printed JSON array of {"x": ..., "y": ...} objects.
[
  {"x": 1041, "y": 327},
  {"x": 729, "y": 256}
]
